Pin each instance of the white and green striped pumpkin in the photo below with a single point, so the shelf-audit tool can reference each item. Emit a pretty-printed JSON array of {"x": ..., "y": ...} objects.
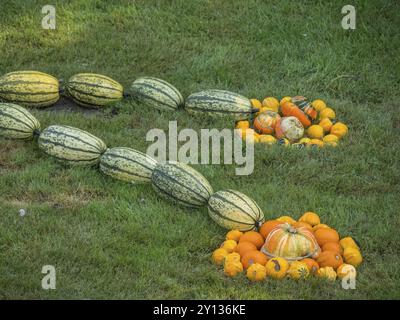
[
  {"x": 93, "y": 90},
  {"x": 29, "y": 88},
  {"x": 234, "y": 210},
  {"x": 127, "y": 165},
  {"x": 71, "y": 145},
  {"x": 181, "y": 184},
  {"x": 156, "y": 93},
  {"x": 17, "y": 123},
  {"x": 219, "y": 103}
]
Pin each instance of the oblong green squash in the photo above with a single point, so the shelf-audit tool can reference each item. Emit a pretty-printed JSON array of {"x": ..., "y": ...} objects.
[
  {"x": 71, "y": 145},
  {"x": 17, "y": 123},
  {"x": 156, "y": 93},
  {"x": 29, "y": 88},
  {"x": 181, "y": 184},
  {"x": 127, "y": 165},
  {"x": 220, "y": 103},
  {"x": 234, "y": 210},
  {"x": 93, "y": 90}
]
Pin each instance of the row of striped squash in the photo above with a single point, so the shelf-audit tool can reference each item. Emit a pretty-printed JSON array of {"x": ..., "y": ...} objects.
[
  {"x": 38, "y": 89},
  {"x": 174, "y": 180}
]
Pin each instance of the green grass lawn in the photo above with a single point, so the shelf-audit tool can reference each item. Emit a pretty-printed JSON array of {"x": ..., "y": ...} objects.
[{"x": 108, "y": 239}]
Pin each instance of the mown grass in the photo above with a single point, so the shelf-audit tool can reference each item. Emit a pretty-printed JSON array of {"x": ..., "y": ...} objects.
[{"x": 108, "y": 239}]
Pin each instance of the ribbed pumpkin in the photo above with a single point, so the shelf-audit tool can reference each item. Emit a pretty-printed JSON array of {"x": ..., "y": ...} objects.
[
  {"x": 290, "y": 243},
  {"x": 329, "y": 259},
  {"x": 265, "y": 122}
]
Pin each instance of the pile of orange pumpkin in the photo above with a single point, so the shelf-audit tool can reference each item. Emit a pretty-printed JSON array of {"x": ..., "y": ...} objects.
[
  {"x": 293, "y": 121},
  {"x": 288, "y": 248}
]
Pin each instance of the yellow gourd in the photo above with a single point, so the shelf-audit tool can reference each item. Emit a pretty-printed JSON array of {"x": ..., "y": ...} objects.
[
  {"x": 327, "y": 113},
  {"x": 327, "y": 273},
  {"x": 346, "y": 270},
  {"x": 256, "y": 103},
  {"x": 234, "y": 235},
  {"x": 318, "y": 105},
  {"x": 277, "y": 268},
  {"x": 311, "y": 218},
  {"x": 287, "y": 219},
  {"x": 326, "y": 124},
  {"x": 331, "y": 140},
  {"x": 305, "y": 140},
  {"x": 256, "y": 272},
  {"x": 233, "y": 268},
  {"x": 298, "y": 270},
  {"x": 348, "y": 242},
  {"x": 219, "y": 255},
  {"x": 315, "y": 132},
  {"x": 271, "y": 103},
  {"x": 229, "y": 245},
  {"x": 232, "y": 257},
  {"x": 243, "y": 124},
  {"x": 352, "y": 256},
  {"x": 316, "y": 142},
  {"x": 267, "y": 139},
  {"x": 339, "y": 129},
  {"x": 285, "y": 99}
]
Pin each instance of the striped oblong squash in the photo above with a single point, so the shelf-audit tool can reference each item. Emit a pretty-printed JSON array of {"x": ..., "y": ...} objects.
[
  {"x": 181, "y": 184},
  {"x": 17, "y": 123},
  {"x": 220, "y": 102},
  {"x": 127, "y": 165},
  {"x": 156, "y": 93},
  {"x": 93, "y": 90},
  {"x": 29, "y": 88},
  {"x": 71, "y": 145},
  {"x": 234, "y": 210}
]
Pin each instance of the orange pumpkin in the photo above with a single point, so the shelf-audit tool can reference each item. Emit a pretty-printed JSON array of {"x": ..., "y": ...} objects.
[
  {"x": 290, "y": 243},
  {"x": 243, "y": 247},
  {"x": 253, "y": 257},
  {"x": 267, "y": 227},
  {"x": 325, "y": 235},
  {"x": 312, "y": 265},
  {"x": 329, "y": 259},
  {"x": 290, "y": 109},
  {"x": 254, "y": 237},
  {"x": 302, "y": 224},
  {"x": 320, "y": 226},
  {"x": 332, "y": 246},
  {"x": 311, "y": 218}
]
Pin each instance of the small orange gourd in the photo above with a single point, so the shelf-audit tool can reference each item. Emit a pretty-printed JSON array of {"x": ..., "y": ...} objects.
[
  {"x": 253, "y": 257},
  {"x": 325, "y": 235},
  {"x": 244, "y": 247},
  {"x": 232, "y": 257},
  {"x": 346, "y": 270},
  {"x": 219, "y": 255},
  {"x": 312, "y": 265},
  {"x": 332, "y": 246},
  {"x": 311, "y": 218},
  {"x": 253, "y": 237},
  {"x": 234, "y": 235},
  {"x": 229, "y": 245},
  {"x": 329, "y": 259},
  {"x": 268, "y": 226}
]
